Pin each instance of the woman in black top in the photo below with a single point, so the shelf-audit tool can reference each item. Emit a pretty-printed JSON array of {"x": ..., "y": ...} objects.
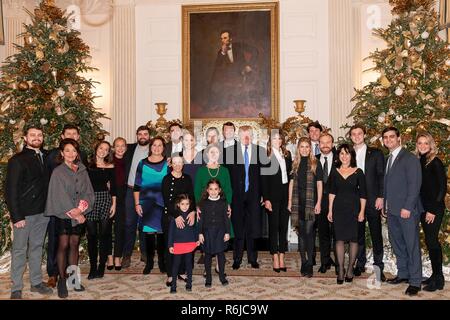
[
  {"x": 346, "y": 208},
  {"x": 120, "y": 147},
  {"x": 174, "y": 184},
  {"x": 276, "y": 182},
  {"x": 307, "y": 198},
  {"x": 99, "y": 220},
  {"x": 432, "y": 194}
]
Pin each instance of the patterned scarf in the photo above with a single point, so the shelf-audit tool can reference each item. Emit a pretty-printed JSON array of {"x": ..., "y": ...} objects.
[{"x": 309, "y": 205}]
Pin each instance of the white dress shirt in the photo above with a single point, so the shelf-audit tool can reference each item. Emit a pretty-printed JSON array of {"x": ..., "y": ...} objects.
[
  {"x": 177, "y": 147},
  {"x": 282, "y": 162},
  {"x": 361, "y": 157},
  {"x": 329, "y": 161},
  {"x": 228, "y": 143},
  {"x": 394, "y": 155}
]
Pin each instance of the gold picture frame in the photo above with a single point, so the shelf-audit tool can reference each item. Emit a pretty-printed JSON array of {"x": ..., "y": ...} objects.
[
  {"x": 2, "y": 28},
  {"x": 230, "y": 61}
]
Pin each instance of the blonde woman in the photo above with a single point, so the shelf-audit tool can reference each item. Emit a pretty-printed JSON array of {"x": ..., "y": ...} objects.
[
  {"x": 307, "y": 190},
  {"x": 432, "y": 194}
]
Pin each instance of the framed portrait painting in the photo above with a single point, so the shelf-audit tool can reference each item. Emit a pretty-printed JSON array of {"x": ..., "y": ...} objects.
[{"x": 230, "y": 61}]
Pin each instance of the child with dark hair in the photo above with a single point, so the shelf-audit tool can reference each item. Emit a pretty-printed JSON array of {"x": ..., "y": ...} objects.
[
  {"x": 214, "y": 229},
  {"x": 182, "y": 242}
]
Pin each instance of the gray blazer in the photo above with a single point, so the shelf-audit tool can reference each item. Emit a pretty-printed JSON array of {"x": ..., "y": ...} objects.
[
  {"x": 66, "y": 189},
  {"x": 402, "y": 184}
]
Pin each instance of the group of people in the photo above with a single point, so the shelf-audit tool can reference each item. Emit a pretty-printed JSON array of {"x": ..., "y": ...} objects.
[{"x": 178, "y": 200}]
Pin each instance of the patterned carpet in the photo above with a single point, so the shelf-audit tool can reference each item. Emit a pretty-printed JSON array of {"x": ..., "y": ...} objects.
[{"x": 245, "y": 284}]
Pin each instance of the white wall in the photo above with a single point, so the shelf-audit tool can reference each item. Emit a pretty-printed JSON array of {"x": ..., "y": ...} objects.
[{"x": 303, "y": 57}]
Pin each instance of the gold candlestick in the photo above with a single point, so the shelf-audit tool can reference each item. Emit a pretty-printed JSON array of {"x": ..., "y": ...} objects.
[
  {"x": 50, "y": 3},
  {"x": 161, "y": 109}
]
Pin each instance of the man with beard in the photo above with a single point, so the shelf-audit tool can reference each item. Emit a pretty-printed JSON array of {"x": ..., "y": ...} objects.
[
  {"x": 327, "y": 159},
  {"x": 176, "y": 144},
  {"x": 69, "y": 131},
  {"x": 135, "y": 153},
  {"x": 25, "y": 194}
]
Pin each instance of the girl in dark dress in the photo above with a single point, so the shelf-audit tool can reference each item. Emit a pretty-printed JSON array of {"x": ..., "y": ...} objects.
[
  {"x": 214, "y": 229},
  {"x": 432, "y": 194},
  {"x": 182, "y": 242},
  {"x": 99, "y": 220},
  {"x": 347, "y": 204}
]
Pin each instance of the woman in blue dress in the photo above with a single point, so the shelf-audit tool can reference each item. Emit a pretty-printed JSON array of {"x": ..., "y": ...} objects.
[{"x": 149, "y": 203}]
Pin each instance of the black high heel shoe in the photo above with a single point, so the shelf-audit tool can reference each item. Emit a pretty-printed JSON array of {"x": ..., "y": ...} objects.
[
  {"x": 110, "y": 267},
  {"x": 277, "y": 270},
  {"x": 348, "y": 279},
  {"x": 340, "y": 281},
  {"x": 284, "y": 269},
  {"x": 117, "y": 268}
]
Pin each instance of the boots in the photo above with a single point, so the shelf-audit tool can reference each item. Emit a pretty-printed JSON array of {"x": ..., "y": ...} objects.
[
  {"x": 92, "y": 272},
  {"x": 62, "y": 288},
  {"x": 436, "y": 281}
]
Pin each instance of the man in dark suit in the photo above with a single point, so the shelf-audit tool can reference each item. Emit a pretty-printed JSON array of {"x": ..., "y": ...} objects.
[
  {"x": 25, "y": 195},
  {"x": 246, "y": 213},
  {"x": 228, "y": 132},
  {"x": 176, "y": 144},
  {"x": 371, "y": 162},
  {"x": 403, "y": 207},
  {"x": 134, "y": 154},
  {"x": 327, "y": 159},
  {"x": 234, "y": 69},
  {"x": 69, "y": 131}
]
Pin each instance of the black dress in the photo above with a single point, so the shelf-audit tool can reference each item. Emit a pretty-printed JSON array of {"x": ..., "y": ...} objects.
[{"x": 346, "y": 205}]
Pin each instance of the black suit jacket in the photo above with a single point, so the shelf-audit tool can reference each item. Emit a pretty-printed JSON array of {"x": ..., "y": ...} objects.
[
  {"x": 326, "y": 186},
  {"x": 272, "y": 184},
  {"x": 26, "y": 184},
  {"x": 374, "y": 172},
  {"x": 128, "y": 159}
]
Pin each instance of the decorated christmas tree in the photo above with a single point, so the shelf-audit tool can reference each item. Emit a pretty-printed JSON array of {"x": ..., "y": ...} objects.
[
  {"x": 412, "y": 90},
  {"x": 43, "y": 84}
]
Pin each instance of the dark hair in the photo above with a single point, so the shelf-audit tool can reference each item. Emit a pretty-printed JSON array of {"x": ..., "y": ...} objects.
[
  {"x": 63, "y": 144},
  {"x": 314, "y": 124},
  {"x": 28, "y": 128},
  {"x": 70, "y": 127},
  {"x": 181, "y": 197},
  {"x": 175, "y": 124},
  {"x": 143, "y": 128},
  {"x": 108, "y": 158},
  {"x": 212, "y": 129},
  {"x": 205, "y": 194},
  {"x": 357, "y": 126},
  {"x": 284, "y": 151},
  {"x": 348, "y": 149},
  {"x": 229, "y": 124},
  {"x": 397, "y": 133},
  {"x": 226, "y": 31},
  {"x": 152, "y": 141},
  {"x": 326, "y": 134}
]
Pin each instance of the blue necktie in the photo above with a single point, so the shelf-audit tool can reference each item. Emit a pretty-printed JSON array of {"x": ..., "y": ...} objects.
[
  {"x": 246, "y": 163},
  {"x": 316, "y": 149}
]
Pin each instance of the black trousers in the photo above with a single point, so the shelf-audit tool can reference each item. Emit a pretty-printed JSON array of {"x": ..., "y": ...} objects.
[
  {"x": 177, "y": 262},
  {"x": 373, "y": 217},
  {"x": 155, "y": 241},
  {"x": 99, "y": 236},
  {"x": 119, "y": 222},
  {"x": 168, "y": 257},
  {"x": 326, "y": 236},
  {"x": 220, "y": 260},
  {"x": 278, "y": 225},
  {"x": 241, "y": 217},
  {"x": 431, "y": 232},
  {"x": 52, "y": 247}
]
